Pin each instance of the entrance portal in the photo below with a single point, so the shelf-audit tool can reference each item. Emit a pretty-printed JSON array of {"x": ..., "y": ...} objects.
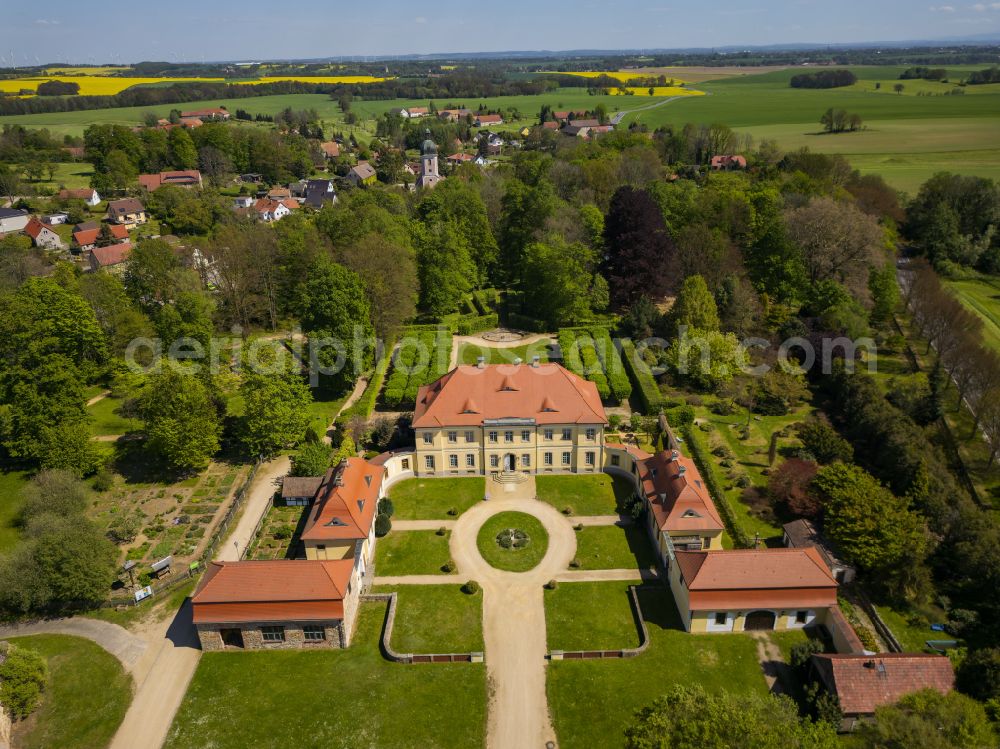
[
  {"x": 758, "y": 620},
  {"x": 232, "y": 638},
  {"x": 509, "y": 462}
]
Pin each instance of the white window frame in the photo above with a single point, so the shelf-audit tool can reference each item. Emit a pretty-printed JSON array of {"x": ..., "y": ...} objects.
[
  {"x": 526, "y": 460},
  {"x": 470, "y": 460},
  {"x": 452, "y": 438},
  {"x": 591, "y": 434},
  {"x": 525, "y": 435},
  {"x": 470, "y": 437},
  {"x": 567, "y": 434},
  {"x": 313, "y": 633},
  {"x": 547, "y": 458},
  {"x": 272, "y": 633},
  {"x": 508, "y": 437},
  {"x": 567, "y": 459},
  {"x": 493, "y": 437},
  {"x": 494, "y": 461},
  {"x": 453, "y": 461},
  {"x": 429, "y": 462},
  {"x": 428, "y": 438}
]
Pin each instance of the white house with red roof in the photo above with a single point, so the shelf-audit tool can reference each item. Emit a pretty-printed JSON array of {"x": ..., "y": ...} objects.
[
  {"x": 43, "y": 236},
  {"x": 532, "y": 418}
]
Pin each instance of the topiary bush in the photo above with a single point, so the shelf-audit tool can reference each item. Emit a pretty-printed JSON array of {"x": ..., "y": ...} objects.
[
  {"x": 441, "y": 531},
  {"x": 383, "y": 524},
  {"x": 470, "y": 588},
  {"x": 448, "y": 567},
  {"x": 552, "y": 584},
  {"x": 386, "y": 507}
]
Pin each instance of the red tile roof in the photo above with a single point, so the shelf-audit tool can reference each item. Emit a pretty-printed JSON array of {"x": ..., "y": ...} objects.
[
  {"x": 724, "y": 161},
  {"x": 86, "y": 237},
  {"x": 208, "y": 112},
  {"x": 551, "y": 125},
  {"x": 489, "y": 118},
  {"x": 35, "y": 227},
  {"x": 280, "y": 590},
  {"x": 864, "y": 682},
  {"x": 331, "y": 149},
  {"x": 746, "y": 578},
  {"x": 183, "y": 177},
  {"x": 111, "y": 255},
  {"x": 677, "y": 494},
  {"x": 83, "y": 193},
  {"x": 548, "y": 393},
  {"x": 346, "y": 502}
]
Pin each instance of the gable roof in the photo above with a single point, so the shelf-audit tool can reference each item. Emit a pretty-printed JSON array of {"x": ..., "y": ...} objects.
[
  {"x": 179, "y": 177},
  {"x": 548, "y": 394},
  {"x": 865, "y": 682},
  {"x": 494, "y": 118},
  {"x": 101, "y": 257},
  {"x": 279, "y": 590},
  {"x": 300, "y": 486},
  {"x": 746, "y": 578},
  {"x": 330, "y": 148},
  {"x": 36, "y": 227},
  {"x": 363, "y": 171},
  {"x": 82, "y": 193},
  {"x": 125, "y": 205},
  {"x": 347, "y": 500},
  {"x": 677, "y": 494}
]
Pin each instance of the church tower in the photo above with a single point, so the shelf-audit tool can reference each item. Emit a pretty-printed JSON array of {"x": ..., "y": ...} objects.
[{"x": 429, "y": 175}]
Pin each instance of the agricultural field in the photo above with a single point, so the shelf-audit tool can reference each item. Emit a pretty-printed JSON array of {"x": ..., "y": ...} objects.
[
  {"x": 92, "y": 85},
  {"x": 906, "y": 137},
  {"x": 982, "y": 296}
]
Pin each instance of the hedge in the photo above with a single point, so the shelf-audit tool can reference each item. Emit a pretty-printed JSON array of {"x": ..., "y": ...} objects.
[
  {"x": 365, "y": 405},
  {"x": 485, "y": 300},
  {"x": 406, "y": 378},
  {"x": 736, "y": 532},
  {"x": 642, "y": 379},
  {"x": 526, "y": 323},
  {"x": 469, "y": 324},
  {"x": 614, "y": 370}
]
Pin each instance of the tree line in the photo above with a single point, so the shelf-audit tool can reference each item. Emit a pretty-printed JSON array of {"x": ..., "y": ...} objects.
[{"x": 823, "y": 79}]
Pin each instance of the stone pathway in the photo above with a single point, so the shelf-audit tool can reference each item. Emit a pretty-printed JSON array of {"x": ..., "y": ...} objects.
[
  {"x": 589, "y": 520},
  {"x": 514, "y": 621},
  {"x": 771, "y": 661},
  {"x": 422, "y": 525},
  {"x": 596, "y": 576},
  {"x": 474, "y": 340}
]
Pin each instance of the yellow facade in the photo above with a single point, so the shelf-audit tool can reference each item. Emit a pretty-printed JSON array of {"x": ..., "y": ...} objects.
[
  {"x": 330, "y": 549},
  {"x": 518, "y": 445}
]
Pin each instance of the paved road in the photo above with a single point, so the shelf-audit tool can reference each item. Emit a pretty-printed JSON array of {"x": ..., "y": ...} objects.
[
  {"x": 174, "y": 651},
  {"x": 619, "y": 116},
  {"x": 122, "y": 644},
  {"x": 514, "y": 620}
]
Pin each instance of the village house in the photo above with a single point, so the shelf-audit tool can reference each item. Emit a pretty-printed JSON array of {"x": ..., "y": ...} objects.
[
  {"x": 279, "y": 193},
  {"x": 319, "y": 192},
  {"x": 743, "y": 590},
  {"x": 43, "y": 236},
  {"x": 486, "y": 120},
  {"x": 211, "y": 113},
  {"x": 533, "y": 418},
  {"x": 863, "y": 682},
  {"x": 268, "y": 210},
  {"x": 13, "y": 220},
  {"x": 453, "y": 115},
  {"x": 87, "y": 235},
  {"x": 183, "y": 178},
  {"x": 802, "y": 534},
  {"x": 330, "y": 149},
  {"x": 728, "y": 163},
  {"x": 55, "y": 219},
  {"x": 457, "y": 159},
  {"x": 362, "y": 174},
  {"x": 243, "y": 202},
  {"x": 87, "y": 194},
  {"x": 127, "y": 211},
  {"x": 112, "y": 257}
]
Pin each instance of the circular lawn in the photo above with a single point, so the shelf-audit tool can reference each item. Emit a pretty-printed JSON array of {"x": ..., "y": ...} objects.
[{"x": 513, "y": 541}]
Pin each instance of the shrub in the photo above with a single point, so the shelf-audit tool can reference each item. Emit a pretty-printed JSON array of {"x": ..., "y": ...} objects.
[
  {"x": 385, "y": 507},
  {"x": 470, "y": 588},
  {"x": 567, "y": 510},
  {"x": 802, "y": 652},
  {"x": 452, "y": 511},
  {"x": 743, "y": 481},
  {"x": 642, "y": 378},
  {"x": 22, "y": 680},
  {"x": 448, "y": 567},
  {"x": 283, "y": 532},
  {"x": 574, "y": 563},
  {"x": 383, "y": 524},
  {"x": 578, "y": 527},
  {"x": 441, "y": 531},
  {"x": 124, "y": 528},
  {"x": 552, "y": 584},
  {"x": 104, "y": 479}
]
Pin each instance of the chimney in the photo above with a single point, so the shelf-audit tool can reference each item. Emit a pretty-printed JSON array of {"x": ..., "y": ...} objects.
[
  {"x": 535, "y": 361},
  {"x": 481, "y": 362}
]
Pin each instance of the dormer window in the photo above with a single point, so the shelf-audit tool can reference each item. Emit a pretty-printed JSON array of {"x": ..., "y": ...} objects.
[
  {"x": 690, "y": 514},
  {"x": 361, "y": 505},
  {"x": 336, "y": 523}
]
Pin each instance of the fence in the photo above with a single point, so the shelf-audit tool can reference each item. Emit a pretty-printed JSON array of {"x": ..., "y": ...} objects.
[
  {"x": 640, "y": 623},
  {"x": 410, "y": 658},
  {"x": 165, "y": 584},
  {"x": 881, "y": 628}
]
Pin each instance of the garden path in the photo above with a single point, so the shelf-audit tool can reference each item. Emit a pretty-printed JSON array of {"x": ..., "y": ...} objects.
[
  {"x": 514, "y": 621},
  {"x": 474, "y": 340},
  {"x": 122, "y": 644}
]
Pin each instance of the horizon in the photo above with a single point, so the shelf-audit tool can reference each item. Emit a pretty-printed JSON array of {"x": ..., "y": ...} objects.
[{"x": 401, "y": 31}]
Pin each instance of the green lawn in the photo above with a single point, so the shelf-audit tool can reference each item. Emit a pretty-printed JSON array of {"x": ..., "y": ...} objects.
[
  {"x": 911, "y": 628},
  {"x": 469, "y": 353},
  {"x": 85, "y": 700},
  {"x": 343, "y": 698},
  {"x": 592, "y": 701},
  {"x": 431, "y": 499},
  {"x": 513, "y": 559},
  {"x": 412, "y": 553},
  {"x": 107, "y": 420},
  {"x": 586, "y": 494},
  {"x": 590, "y": 616},
  {"x": 322, "y": 411},
  {"x": 608, "y": 547},
  {"x": 982, "y": 296},
  {"x": 11, "y": 483},
  {"x": 436, "y": 619}
]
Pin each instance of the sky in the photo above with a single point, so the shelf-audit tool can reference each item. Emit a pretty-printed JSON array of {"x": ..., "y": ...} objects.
[{"x": 205, "y": 30}]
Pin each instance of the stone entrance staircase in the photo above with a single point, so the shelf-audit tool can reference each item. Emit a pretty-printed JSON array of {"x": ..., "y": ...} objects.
[
  {"x": 503, "y": 485},
  {"x": 509, "y": 477}
]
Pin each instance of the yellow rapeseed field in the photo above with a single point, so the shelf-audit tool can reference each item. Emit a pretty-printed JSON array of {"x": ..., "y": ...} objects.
[
  {"x": 92, "y": 85},
  {"x": 100, "y": 70},
  {"x": 316, "y": 79},
  {"x": 622, "y": 75}
]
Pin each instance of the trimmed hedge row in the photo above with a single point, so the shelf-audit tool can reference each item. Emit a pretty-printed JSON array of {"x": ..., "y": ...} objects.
[
  {"x": 592, "y": 367},
  {"x": 529, "y": 324},
  {"x": 642, "y": 379},
  {"x": 411, "y": 370},
  {"x": 614, "y": 370},
  {"x": 469, "y": 324},
  {"x": 736, "y": 532},
  {"x": 365, "y": 405},
  {"x": 485, "y": 300}
]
